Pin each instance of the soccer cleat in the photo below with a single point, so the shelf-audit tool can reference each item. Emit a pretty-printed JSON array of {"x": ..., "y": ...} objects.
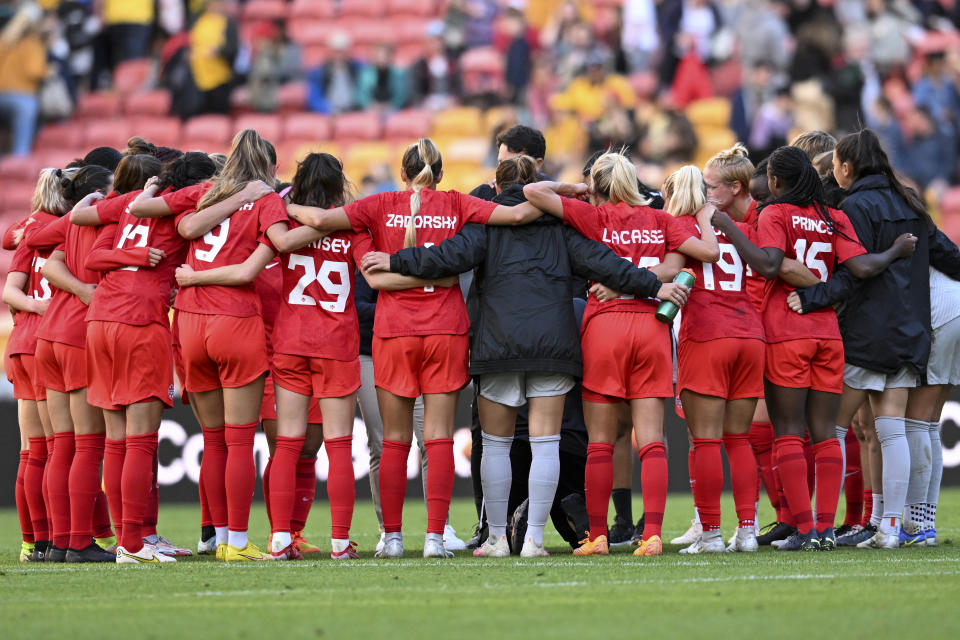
[
  {"x": 288, "y": 552},
  {"x": 207, "y": 547},
  {"x": 491, "y": 548},
  {"x": 222, "y": 551},
  {"x": 433, "y": 547},
  {"x": 451, "y": 541},
  {"x": 303, "y": 545},
  {"x": 930, "y": 537},
  {"x": 517, "y": 527},
  {"x": 348, "y": 553},
  {"x": 745, "y": 540},
  {"x": 108, "y": 543},
  {"x": 828, "y": 539},
  {"x": 533, "y": 550},
  {"x": 575, "y": 509},
  {"x": 709, "y": 542},
  {"x": 638, "y": 530},
  {"x": 773, "y": 532},
  {"x": 380, "y": 544},
  {"x": 856, "y": 535},
  {"x": 621, "y": 532},
  {"x": 596, "y": 547},
  {"x": 55, "y": 554},
  {"x": 39, "y": 550},
  {"x": 844, "y": 529},
  {"x": 147, "y": 555},
  {"x": 92, "y": 553},
  {"x": 167, "y": 548},
  {"x": 249, "y": 553},
  {"x": 479, "y": 535},
  {"x": 800, "y": 542},
  {"x": 392, "y": 546},
  {"x": 691, "y": 535},
  {"x": 914, "y": 538},
  {"x": 653, "y": 546},
  {"x": 881, "y": 540}
]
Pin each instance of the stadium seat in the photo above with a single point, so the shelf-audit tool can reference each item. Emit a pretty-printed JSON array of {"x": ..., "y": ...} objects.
[
  {"x": 408, "y": 53},
  {"x": 58, "y": 158},
  {"x": 68, "y": 135},
  {"x": 132, "y": 76},
  {"x": 406, "y": 126},
  {"x": 97, "y": 105},
  {"x": 363, "y": 8},
  {"x": 482, "y": 70},
  {"x": 302, "y": 128},
  {"x": 311, "y": 9},
  {"x": 645, "y": 83},
  {"x": 163, "y": 132},
  {"x": 709, "y": 112},
  {"x": 356, "y": 127},
  {"x": 19, "y": 168},
  {"x": 268, "y": 125},
  {"x": 463, "y": 178},
  {"x": 469, "y": 151},
  {"x": 151, "y": 103},
  {"x": 265, "y": 10},
  {"x": 201, "y": 132},
  {"x": 107, "y": 133},
  {"x": 410, "y": 30},
  {"x": 424, "y": 8},
  {"x": 15, "y": 197},
  {"x": 240, "y": 101},
  {"x": 712, "y": 140},
  {"x": 365, "y": 33},
  {"x": 360, "y": 157},
  {"x": 308, "y": 32},
  {"x": 292, "y": 97},
  {"x": 458, "y": 121},
  {"x": 289, "y": 153},
  {"x": 950, "y": 203},
  {"x": 314, "y": 55}
]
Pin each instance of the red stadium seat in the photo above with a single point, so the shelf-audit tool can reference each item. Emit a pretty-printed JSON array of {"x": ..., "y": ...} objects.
[
  {"x": 68, "y": 135},
  {"x": 163, "y": 132},
  {"x": 304, "y": 128},
  {"x": 107, "y": 133},
  {"x": 482, "y": 71},
  {"x": 58, "y": 158},
  {"x": 368, "y": 32},
  {"x": 950, "y": 203},
  {"x": 408, "y": 53},
  {"x": 15, "y": 198},
  {"x": 151, "y": 103},
  {"x": 240, "y": 101},
  {"x": 311, "y": 9},
  {"x": 132, "y": 76},
  {"x": 97, "y": 105},
  {"x": 201, "y": 132},
  {"x": 310, "y": 32},
  {"x": 19, "y": 168},
  {"x": 406, "y": 126},
  {"x": 314, "y": 55},
  {"x": 356, "y": 127},
  {"x": 364, "y": 8},
  {"x": 265, "y": 10},
  {"x": 292, "y": 97},
  {"x": 413, "y": 8},
  {"x": 410, "y": 29},
  {"x": 266, "y": 124}
]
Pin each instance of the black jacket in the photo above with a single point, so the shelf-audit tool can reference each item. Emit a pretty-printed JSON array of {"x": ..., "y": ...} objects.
[
  {"x": 885, "y": 322},
  {"x": 365, "y": 300},
  {"x": 522, "y": 318}
]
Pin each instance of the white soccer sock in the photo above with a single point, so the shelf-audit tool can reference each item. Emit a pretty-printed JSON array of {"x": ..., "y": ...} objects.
[
  {"x": 892, "y": 433},
  {"x": 495, "y": 476},
  {"x": 936, "y": 471},
  {"x": 918, "y": 439},
  {"x": 221, "y": 533},
  {"x": 876, "y": 515},
  {"x": 542, "y": 483},
  {"x": 842, "y": 439},
  {"x": 237, "y": 539},
  {"x": 280, "y": 540},
  {"x": 696, "y": 515}
]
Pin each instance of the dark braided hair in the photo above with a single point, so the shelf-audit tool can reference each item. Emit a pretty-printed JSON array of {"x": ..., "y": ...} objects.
[
  {"x": 803, "y": 186},
  {"x": 864, "y": 153}
]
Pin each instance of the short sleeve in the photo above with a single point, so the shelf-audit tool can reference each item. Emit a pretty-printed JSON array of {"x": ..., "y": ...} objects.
[
  {"x": 679, "y": 230},
  {"x": 847, "y": 244},
  {"x": 184, "y": 200},
  {"x": 364, "y": 212},
  {"x": 110, "y": 210},
  {"x": 471, "y": 209},
  {"x": 181, "y": 216},
  {"x": 22, "y": 258},
  {"x": 271, "y": 211},
  {"x": 582, "y": 216},
  {"x": 771, "y": 230},
  {"x": 360, "y": 245}
]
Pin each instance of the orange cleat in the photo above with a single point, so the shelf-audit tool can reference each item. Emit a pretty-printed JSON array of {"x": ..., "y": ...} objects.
[
  {"x": 652, "y": 546},
  {"x": 596, "y": 547},
  {"x": 303, "y": 545}
]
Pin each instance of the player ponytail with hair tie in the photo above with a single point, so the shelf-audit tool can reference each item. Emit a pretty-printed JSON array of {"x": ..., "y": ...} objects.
[{"x": 422, "y": 165}]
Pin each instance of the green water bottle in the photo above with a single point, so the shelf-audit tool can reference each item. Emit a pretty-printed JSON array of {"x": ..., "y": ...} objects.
[{"x": 667, "y": 311}]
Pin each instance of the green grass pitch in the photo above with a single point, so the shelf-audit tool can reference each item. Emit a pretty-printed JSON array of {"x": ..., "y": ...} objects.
[{"x": 846, "y": 594}]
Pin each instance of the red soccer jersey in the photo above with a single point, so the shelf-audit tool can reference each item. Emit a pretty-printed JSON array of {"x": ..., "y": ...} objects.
[
  {"x": 802, "y": 235},
  {"x": 185, "y": 199},
  {"x": 230, "y": 242},
  {"x": 642, "y": 235},
  {"x": 269, "y": 285},
  {"x": 718, "y": 306},
  {"x": 757, "y": 285},
  {"x": 317, "y": 317},
  {"x": 26, "y": 260},
  {"x": 138, "y": 295},
  {"x": 425, "y": 311}
]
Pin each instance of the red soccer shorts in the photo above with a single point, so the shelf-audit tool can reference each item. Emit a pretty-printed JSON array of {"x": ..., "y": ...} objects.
[
  {"x": 812, "y": 363},
  {"x": 626, "y": 355},
  {"x": 61, "y": 367},
  {"x": 317, "y": 377},
  {"x": 729, "y": 368},
  {"x": 408, "y": 366},
  {"x": 127, "y": 364},
  {"x": 221, "y": 351},
  {"x": 268, "y": 407},
  {"x": 22, "y": 373}
]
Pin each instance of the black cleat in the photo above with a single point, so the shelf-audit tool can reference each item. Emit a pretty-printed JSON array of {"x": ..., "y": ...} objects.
[
  {"x": 39, "y": 550},
  {"x": 775, "y": 531},
  {"x": 92, "y": 553},
  {"x": 518, "y": 527},
  {"x": 843, "y": 530},
  {"x": 479, "y": 535},
  {"x": 576, "y": 509},
  {"x": 621, "y": 532},
  {"x": 856, "y": 535},
  {"x": 801, "y": 542},
  {"x": 55, "y": 554},
  {"x": 828, "y": 539},
  {"x": 638, "y": 530}
]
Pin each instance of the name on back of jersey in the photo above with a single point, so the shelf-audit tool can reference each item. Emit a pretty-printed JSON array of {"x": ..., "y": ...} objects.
[
  {"x": 633, "y": 236},
  {"x": 333, "y": 245},
  {"x": 809, "y": 224},
  {"x": 399, "y": 220}
]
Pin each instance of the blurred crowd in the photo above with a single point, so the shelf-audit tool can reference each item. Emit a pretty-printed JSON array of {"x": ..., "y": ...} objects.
[{"x": 671, "y": 80}]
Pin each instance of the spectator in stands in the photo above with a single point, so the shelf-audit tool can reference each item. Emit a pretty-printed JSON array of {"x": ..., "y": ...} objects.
[
  {"x": 758, "y": 87},
  {"x": 479, "y": 23},
  {"x": 639, "y": 38},
  {"x": 276, "y": 61},
  {"x": 23, "y": 66},
  {"x": 589, "y": 95},
  {"x": 772, "y": 125},
  {"x": 333, "y": 85},
  {"x": 668, "y": 138},
  {"x": 519, "y": 54},
  {"x": 891, "y": 22},
  {"x": 929, "y": 157},
  {"x": 936, "y": 91},
  {"x": 436, "y": 82},
  {"x": 381, "y": 83},
  {"x": 575, "y": 46},
  {"x": 378, "y": 180},
  {"x": 761, "y": 34},
  {"x": 126, "y": 35},
  {"x": 214, "y": 43}
]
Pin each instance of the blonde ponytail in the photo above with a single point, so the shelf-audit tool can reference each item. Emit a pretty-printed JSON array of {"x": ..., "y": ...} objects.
[
  {"x": 615, "y": 178},
  {"x": 733, "y": 165},
  {"x": 421, "y": 165},
  {"x": 684, "y": 191},
  {"x": 48, "y": 194}
]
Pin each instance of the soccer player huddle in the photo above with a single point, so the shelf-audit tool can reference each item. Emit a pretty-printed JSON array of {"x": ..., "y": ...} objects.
[{"x": 261, "y": 278}]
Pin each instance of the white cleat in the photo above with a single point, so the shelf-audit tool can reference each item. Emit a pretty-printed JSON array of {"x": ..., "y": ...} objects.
[
  {"x": 380, "y": 543},
  {"x": 433, "y": 547},
  {"x": 491, "y": 549},
  {"x": 881, "y": 540},
  {"x": 207, "y": 547},
  {"x": 167, "y": 548},
  {"x": 392, "y": 546},
  {"x": 710, "y": 542},
  {"x": 147, "y": 555},
  {"x": 744, "y": 540},
  {"x": 533, "y": 550},
  {"x": 691, "y": 535},
  {"x": 451, "y": 541}
]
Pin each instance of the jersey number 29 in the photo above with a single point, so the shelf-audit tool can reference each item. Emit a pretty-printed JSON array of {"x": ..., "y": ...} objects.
[{"x": 322, "y": 277}]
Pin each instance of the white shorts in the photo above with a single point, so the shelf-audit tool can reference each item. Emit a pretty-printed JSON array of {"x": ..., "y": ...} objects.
[
  {"x": 513, "y": 388},
  {"x": 944, "y": 364},
  {"x": 866, "y": 380}
]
